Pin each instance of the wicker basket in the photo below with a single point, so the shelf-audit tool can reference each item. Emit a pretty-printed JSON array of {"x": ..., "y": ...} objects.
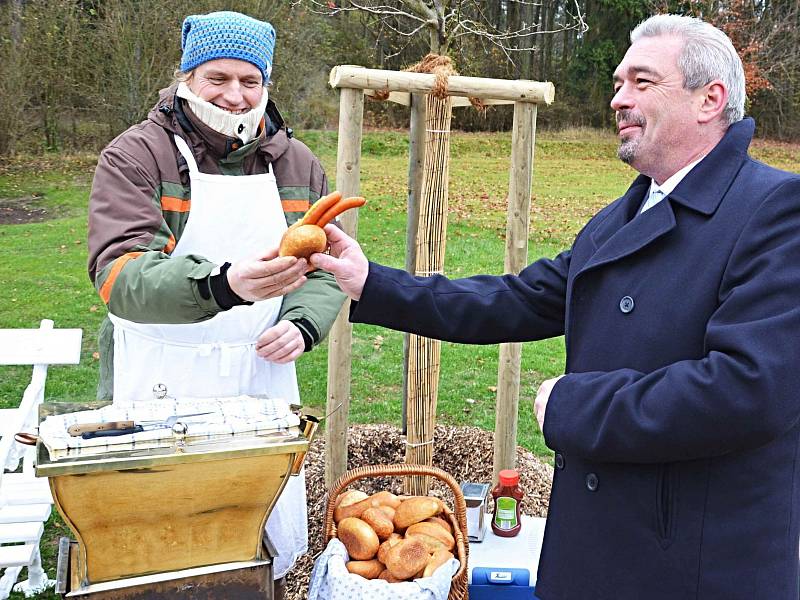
[{"x": 458, "y": 589}]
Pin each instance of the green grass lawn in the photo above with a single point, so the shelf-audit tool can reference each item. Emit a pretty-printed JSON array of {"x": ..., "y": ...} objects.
[{"x": 43, "y": 265}]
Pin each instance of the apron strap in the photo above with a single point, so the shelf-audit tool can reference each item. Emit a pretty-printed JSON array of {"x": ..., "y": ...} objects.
[{"x": 183, "y": 148}]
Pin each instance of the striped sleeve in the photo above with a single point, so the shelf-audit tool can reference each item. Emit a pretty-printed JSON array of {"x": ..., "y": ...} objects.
[{"x": 134, "y": 221}]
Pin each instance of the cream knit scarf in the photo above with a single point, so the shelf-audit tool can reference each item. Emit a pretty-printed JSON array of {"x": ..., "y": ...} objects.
[{"x": 244, "y": 126}]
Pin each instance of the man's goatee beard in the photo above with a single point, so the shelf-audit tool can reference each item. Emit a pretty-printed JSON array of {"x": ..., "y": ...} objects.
[{"x": 627, "y": 151}]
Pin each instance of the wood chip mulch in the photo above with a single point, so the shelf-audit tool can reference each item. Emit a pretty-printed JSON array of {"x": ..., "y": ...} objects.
[{"x": 464, "y": 452}]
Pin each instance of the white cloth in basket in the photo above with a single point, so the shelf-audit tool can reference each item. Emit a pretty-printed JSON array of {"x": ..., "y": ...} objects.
[
  {"x": 330, "y": 580},
  {"x": 227, "y": 417}
]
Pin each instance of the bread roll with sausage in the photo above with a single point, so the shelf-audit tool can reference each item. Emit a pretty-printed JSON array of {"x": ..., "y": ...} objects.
[{"x": 359, "y": 538}]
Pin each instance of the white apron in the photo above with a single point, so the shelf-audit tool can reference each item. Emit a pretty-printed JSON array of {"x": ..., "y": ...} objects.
[{"x": 231, "y": 218}]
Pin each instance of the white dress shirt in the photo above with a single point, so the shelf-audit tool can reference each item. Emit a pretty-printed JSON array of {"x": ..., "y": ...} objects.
[{"x": 658, "y": 192}]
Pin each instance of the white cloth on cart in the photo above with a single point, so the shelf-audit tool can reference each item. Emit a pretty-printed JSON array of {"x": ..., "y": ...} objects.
[
  {"x": 224, "y": 418},
  {"x": 330, "y": 580}
]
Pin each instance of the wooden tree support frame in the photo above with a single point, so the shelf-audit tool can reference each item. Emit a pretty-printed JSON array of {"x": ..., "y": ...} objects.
[{"x": 353, "y": 83}]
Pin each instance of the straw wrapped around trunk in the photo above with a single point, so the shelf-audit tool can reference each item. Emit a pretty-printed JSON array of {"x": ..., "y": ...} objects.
[{"x": 424, "y": 353}]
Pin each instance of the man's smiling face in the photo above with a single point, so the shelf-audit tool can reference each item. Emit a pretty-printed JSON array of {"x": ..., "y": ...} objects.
[
  {"x": 230, "y": 84},
  {"x": 656, "y": 116}
]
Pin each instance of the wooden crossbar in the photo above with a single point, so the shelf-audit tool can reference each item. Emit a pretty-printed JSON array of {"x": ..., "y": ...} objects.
[{"x": 517, "y": 90}]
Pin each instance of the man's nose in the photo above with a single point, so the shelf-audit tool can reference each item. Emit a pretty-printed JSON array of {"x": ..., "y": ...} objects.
[
  {"x": 233, "y": 92},
  {"x": 622, "y": 98}
]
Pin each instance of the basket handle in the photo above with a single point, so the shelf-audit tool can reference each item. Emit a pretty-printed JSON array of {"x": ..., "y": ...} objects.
[{"x": 459, "y": 508}]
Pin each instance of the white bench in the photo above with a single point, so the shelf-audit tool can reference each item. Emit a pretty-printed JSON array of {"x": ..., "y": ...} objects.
[{"x": 25, "y": 501}]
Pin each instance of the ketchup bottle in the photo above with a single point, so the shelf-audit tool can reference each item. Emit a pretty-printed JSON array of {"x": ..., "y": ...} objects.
[{"x": 506, "y": 520}]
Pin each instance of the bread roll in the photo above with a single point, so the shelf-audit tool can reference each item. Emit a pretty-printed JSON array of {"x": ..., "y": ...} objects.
[
  {"x": 384, "y": 548},
  {"x": 351, "y": 497},
  {"x": 385, "y": 575},
  {"x": 359, "y": 538},
  {"x": 351, "y": 510},
  {"x": 357, "y": 509},
  {"x": 437, "y": 560},
  {"x": 406, "y": 558},
  {"x": 415, "y": 510},
  {"x": 302, "y": 241},
  {"x": 368, "y": 569},
  {"x": 388, "y": 511},
  {"x": 385, "y": 499},
  {"x": 442, "y": 523},
  {"x": 378, "y": 520},
  {"x": 432, "y": 535}
]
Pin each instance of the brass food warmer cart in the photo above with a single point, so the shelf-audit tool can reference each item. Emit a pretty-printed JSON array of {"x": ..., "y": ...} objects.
[{"x": 185, "y": 521}]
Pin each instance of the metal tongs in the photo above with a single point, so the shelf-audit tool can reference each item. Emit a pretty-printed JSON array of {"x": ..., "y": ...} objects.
[{"x": 111, "y": 428}]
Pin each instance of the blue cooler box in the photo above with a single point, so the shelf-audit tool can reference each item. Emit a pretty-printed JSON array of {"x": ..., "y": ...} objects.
[{"x": 505, "y": 568}]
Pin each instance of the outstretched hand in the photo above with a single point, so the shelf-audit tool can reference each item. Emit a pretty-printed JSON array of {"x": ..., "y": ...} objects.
[
  {"x": 346, "y": 261},
  {"x": 266, "y": 276}
]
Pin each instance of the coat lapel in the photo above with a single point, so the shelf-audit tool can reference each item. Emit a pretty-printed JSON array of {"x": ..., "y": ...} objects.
[
  {"x": 704, "y": 187},
  {"x": 625, "y": 231}
]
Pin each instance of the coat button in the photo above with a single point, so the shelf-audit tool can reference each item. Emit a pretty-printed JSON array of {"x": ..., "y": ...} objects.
[
  {"x": 559, "y": 461},
  {"x": 592, "y": 482},
  {"x": 626, "y": 304}
]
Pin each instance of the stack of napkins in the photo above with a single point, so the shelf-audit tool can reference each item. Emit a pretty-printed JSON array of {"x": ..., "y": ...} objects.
[{"x": 227, "y": 417}]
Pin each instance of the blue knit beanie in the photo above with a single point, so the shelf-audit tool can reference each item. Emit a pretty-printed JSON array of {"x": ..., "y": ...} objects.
[{"x": 227, "y": 34}]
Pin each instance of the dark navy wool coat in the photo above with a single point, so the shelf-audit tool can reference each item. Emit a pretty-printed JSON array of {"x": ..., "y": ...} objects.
[{"x": 676, "y": 428}]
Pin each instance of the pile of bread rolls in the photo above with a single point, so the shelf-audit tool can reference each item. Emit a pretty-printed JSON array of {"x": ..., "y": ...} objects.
[{"x": 391, "y": 537}]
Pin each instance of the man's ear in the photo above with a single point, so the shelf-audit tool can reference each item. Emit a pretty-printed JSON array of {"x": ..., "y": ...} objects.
[{"x": 714, "y": 101}]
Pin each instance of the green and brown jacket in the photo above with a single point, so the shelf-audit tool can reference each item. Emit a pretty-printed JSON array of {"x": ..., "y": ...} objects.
[{"x": 141, "y": 201}]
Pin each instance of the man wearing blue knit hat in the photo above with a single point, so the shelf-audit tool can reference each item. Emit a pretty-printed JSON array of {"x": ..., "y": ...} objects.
[{"x": 186, "y": 213}]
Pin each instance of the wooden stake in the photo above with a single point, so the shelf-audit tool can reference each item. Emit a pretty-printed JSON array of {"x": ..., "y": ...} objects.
[
  {"x": 337, "y": 406},
  {"x": 517, "y": 229},
  {"x": 416, "y": 164}
]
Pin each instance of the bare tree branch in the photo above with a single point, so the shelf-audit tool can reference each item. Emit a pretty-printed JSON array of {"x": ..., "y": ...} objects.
[{"x": 453, "y": 19}]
